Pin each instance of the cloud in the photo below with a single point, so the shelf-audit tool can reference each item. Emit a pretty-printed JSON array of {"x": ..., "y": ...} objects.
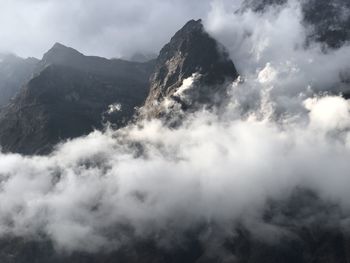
[
  {"x": 209, "y": 170},
  {"x": 276, "y": 132},
  {"x": 106, "y": 28},
  {"x": 273, "y": 43}
]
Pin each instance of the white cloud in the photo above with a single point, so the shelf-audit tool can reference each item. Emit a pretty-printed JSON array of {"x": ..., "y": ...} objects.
[{"x": 211, "y": 169}]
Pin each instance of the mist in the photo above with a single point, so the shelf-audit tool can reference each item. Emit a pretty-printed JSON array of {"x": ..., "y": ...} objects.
[{"x": 277, "y": 131}]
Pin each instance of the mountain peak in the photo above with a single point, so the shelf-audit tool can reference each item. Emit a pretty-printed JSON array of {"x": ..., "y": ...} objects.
[
  {"x": 60, "y": 54},
  {"x": 191, "y": 50},
  {"x": 59, "y": 45},
  {"x": 191, "y": 28},
  {"x": 192, "y": 25}
]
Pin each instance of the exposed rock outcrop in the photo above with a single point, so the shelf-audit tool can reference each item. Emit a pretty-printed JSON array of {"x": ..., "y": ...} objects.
[{"x": 191, "y": 51}]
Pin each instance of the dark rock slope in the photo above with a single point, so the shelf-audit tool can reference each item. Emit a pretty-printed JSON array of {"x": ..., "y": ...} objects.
[
  {"x": 14, "y": 73},
  {"x": 191, "y": 50},
  {"x": 69, "y": 96}
]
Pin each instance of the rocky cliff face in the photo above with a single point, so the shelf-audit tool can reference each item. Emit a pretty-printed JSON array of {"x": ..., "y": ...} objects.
[
  {"x": 70, "y": 95},
  {"x": 14, "y": 73},
  {"x": 190, "y": 51}
]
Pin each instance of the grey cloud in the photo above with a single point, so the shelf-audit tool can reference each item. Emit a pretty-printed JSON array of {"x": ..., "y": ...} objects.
[{"x": 107, "y": 28}]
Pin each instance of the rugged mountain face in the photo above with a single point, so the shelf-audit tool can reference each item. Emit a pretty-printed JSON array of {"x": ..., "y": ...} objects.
[
  {"x": 69, "y": 96},
  {"x": 190, "y": 51},
  {"x": 14, "y": 73},
  {"x": 328, "y": 22}
]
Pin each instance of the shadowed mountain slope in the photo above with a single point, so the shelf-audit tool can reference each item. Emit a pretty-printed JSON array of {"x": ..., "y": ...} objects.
[{"x": 69, "y": 96}]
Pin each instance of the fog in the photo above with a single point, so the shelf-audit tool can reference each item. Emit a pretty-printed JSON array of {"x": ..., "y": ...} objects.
[{"x": 276, "y": 131}]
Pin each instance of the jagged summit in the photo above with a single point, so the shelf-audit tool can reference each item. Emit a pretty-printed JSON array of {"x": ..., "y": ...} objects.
[
  {"x": 190, "y": 27},
  {"x": 58, "y": 47},
  {"x": 191, "y": 50},
  {"x": 61, "y": 54}
]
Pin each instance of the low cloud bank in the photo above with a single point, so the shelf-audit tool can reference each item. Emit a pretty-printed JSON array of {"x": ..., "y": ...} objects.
[{"x": 100, "y": 191}]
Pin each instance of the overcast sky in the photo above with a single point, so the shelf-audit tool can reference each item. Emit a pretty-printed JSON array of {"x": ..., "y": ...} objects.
[{"x": 111, "y": 28}]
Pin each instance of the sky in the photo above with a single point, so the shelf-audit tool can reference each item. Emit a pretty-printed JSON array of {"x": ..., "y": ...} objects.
[{"x": 111, "y": 28}]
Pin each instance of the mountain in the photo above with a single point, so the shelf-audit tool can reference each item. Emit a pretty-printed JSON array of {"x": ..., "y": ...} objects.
[
  {"x": 69, "y": 96},
  {"x": 118, "y": 68},
  {"x": 328, "y": 22},
  {"x": 190, "y": 51},
  {"x": 14, "y": 73}
]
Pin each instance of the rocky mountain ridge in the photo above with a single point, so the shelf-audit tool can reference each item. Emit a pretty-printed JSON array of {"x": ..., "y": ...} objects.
[{"x": 68, "y": 96}]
